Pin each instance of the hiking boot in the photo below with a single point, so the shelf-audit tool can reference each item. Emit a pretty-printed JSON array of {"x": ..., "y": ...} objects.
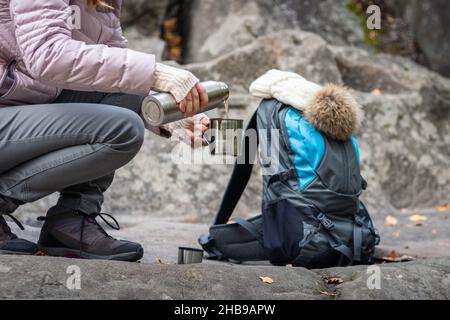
[
  {"x": 72, "y": 234},
  {"x": 10, "y": 243}
]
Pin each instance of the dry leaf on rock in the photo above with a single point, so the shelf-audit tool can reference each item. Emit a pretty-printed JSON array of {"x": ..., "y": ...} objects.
[
  {"x": 395, "y": 257},
  {"x": 329, "y": 294},
  {"x": 390, "y": 221},
  {"x": 418, "y": 219},
  {"x": 443, "y": 208},
  {"x": 266, "y": 280},
  {"x": 333, "y": 280}
]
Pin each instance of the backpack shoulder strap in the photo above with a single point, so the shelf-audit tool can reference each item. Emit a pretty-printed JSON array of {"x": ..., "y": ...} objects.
[{"x": 239, "y": 178}]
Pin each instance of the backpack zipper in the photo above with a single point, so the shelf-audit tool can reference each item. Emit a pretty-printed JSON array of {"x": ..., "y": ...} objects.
[
  {"x": 283, "y": 129},
  {"x": 347, "y": 168},
  {"x": 285, "y": 136}
]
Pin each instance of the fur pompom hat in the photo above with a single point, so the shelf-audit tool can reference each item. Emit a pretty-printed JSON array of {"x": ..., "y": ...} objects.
[
  {"x": 334, "y": 111},
  {"x": 331, "y": 109}
]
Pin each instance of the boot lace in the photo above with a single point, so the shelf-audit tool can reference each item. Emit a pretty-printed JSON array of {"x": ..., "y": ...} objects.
[{"x": 92, "y": 218}]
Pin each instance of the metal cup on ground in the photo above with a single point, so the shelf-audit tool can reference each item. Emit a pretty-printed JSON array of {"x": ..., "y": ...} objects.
[
  {"x": 225, "y": 136},
  {"x": 189, "y": 255}
]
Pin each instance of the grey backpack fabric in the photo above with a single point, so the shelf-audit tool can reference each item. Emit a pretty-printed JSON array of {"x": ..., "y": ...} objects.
[{"x": 318, "y": 224}]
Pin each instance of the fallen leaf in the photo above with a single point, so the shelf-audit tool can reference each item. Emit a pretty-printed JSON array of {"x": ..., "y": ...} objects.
[
  {"x": 418, "y": 219},
  {"x": 334, "y": 281},
  {"x": 396, "y": 234},
  {"x": 377, "y": 92},
  {"x": 403, "y": 258},
  {"x": 40, "y": 254},
  {"x": 329, "y": 294},
  {"x": 390, "y": 221},
  {"x": 189, "y": 221},
  {"x": 395, "y": 257},
  {"x": 266, "y": 280},
  {"x": 443, "y": 208}
]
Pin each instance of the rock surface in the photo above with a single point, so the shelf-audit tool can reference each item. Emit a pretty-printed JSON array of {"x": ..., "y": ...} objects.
[
  {"x": 49, "y": 278},
  {"x": 405, "y": 137},
  {"x": 429, "y": 22},
  {"x": 219, "y": 27},
  {"x": 159, "y": 278},
  {"x": 146, "y": 16},
  {"x": 161, "y": 237}
]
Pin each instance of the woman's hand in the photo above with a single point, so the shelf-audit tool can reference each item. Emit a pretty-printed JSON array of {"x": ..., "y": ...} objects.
[
  {"x": 190, "y": 130},
  {"x": 195, "y": 101},
  {"x": 190, "y": 95},
  {"x": 182, "y": 84},
  {"x": 195, "y": 130}
]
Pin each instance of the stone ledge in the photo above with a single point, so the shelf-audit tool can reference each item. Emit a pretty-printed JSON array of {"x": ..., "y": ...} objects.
[{"x": 45, "y": 278}]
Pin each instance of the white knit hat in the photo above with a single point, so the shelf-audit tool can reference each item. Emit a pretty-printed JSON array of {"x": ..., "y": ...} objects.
[{"x": 331, "y": 109}]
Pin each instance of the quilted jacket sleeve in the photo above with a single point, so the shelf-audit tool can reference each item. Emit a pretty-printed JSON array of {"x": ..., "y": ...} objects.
[{"x": 53, "y": 57}]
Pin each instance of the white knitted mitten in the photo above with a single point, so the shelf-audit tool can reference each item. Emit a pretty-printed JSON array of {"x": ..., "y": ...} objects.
[{"x": 176, "y": 81}]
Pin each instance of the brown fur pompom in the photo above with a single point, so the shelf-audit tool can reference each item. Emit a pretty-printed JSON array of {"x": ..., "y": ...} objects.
[{"x": 334, "y": 111}]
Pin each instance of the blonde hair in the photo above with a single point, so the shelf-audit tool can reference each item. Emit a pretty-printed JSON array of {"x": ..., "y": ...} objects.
[{"x": 99, "y": 3}]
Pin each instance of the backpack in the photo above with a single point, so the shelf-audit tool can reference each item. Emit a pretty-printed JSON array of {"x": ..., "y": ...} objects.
[{"x": 312, "y": 216}]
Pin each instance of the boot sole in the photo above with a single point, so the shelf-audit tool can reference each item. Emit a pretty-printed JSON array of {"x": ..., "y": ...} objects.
[
  {"x": 76, "y": 254},
  {"x": 17, "y": 253}
]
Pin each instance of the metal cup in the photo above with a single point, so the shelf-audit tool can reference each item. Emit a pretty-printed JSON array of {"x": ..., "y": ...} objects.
[
  {"x": 225, "y": 136},
  {"x": 189, "y": 256}
]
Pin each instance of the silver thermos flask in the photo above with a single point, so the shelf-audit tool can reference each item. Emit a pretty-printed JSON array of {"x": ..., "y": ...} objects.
[{"x": 161, "y": 108}]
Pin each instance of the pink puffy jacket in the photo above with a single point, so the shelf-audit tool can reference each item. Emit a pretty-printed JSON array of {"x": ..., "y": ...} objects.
[{"x": 41, "y": 53}]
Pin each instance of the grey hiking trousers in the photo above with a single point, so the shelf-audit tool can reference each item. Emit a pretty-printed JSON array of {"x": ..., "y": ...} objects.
[{"x": 72, "y": 146}]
